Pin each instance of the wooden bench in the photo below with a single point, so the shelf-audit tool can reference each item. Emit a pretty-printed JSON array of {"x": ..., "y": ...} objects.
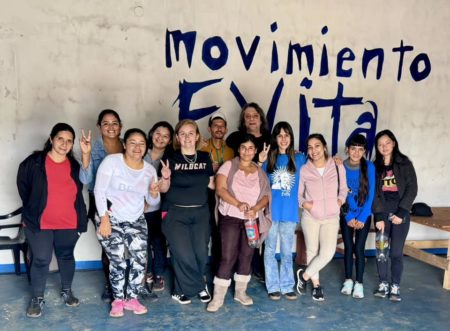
[{"x": 440, "y": 220}]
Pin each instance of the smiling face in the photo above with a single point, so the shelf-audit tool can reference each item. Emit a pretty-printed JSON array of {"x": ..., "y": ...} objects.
[
  {"x": 218, "y": 128},
  {"x": 187, "y": 136},
  {"x": 161, "y": 138},
  {"x": 316, "y": 150},
  {"x": 247, "y": 151},
  {"x": 110, "y": 127},
  {"x": 252, "y": 120},
  {"x": 135, "y": 146},
  {"x": 385, "y": 146},
  {"x": 355, "y": 154},
  {"x": 62, "y": 143},
  {"x": 283, "y": 141}
]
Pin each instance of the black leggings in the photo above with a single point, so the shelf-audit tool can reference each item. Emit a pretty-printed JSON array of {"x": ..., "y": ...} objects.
[
  {"x": 356, "y": 247},
  {"x": 41, "y": 245},
  {"x": 397, "y": 235}
]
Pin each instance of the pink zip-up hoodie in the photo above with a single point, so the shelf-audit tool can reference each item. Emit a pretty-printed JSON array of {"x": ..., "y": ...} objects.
[{"x": 322, "y": 191}]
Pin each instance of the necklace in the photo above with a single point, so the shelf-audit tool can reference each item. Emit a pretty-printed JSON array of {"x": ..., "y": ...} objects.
[{"x": 190, "y": 160}]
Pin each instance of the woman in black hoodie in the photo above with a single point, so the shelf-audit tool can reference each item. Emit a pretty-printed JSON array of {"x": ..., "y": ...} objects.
[{"x": 396, "y": 190}]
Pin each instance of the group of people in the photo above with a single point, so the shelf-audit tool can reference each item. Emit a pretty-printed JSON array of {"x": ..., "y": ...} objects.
[{"x": 172, "y": 188}]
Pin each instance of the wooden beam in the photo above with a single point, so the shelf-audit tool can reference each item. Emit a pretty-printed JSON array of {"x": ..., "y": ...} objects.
[
  {"x": 427, "y": 243},
  {"x": 434, "y": 260}
]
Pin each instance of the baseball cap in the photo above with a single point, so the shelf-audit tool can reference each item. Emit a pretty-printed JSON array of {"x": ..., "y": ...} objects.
[{"x": 215, "y": 116}]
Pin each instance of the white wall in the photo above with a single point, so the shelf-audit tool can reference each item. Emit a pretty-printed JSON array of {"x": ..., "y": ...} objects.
[{"x": 67, "y": 60}]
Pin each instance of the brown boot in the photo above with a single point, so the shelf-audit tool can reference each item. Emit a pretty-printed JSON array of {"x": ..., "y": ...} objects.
[
  {"x": 240, "y": 295},
  {"x": 220, "y": 290}
]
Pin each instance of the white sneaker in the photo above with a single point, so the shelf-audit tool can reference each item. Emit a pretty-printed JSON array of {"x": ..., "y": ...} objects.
[
  {"x": 347, "y": 287},
  {"x": 358, "y": 291}
]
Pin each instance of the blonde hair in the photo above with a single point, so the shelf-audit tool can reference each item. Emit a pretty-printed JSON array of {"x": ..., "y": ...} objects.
[{"x": 180, "y": 124}]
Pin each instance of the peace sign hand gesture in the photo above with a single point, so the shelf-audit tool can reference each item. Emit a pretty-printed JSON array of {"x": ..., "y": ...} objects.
[
  {"x": 262, "y": 157},
  {"x": 85, "y": 142},
  {"x": 165, "y": 170}
]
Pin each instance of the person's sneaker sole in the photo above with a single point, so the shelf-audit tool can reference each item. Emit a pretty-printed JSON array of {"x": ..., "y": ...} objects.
[
  {"x": 274, "y": 296},
  {"x": 185, "y": 302},
  {"x": 289, "y": 297},
  {"x": 34, "y": 315},
  {"x": 395, "y": 299},
  {"x": 318, "y": 299}
]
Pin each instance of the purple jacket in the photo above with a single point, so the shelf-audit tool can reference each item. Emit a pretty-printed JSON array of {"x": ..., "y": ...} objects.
[{"x": 322, "y": 191}]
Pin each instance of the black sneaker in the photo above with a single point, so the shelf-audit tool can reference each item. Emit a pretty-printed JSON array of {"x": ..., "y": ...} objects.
[
  {"x": 204, "y": 295},
  {"x": 382, "y": 291},
  {"x": 290, "y": 296},
  {"x": 301, "y": 283},
  {"x": 275, "y": 296},
  {"x": 107, "y": 295},
  {"x": 317, "y": 293},
  {"x": 35, "y": 307},
  {"x": 158, "y": 284},
  {"x": 181, "y": 299},
  {"x": 394, "y": 294},
  {"x": 147, "y": 293},
  {"x": 69, "y": 298}
]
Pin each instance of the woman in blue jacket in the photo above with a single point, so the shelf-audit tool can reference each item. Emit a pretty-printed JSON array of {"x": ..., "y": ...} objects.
[{"x": 360, "y": 175}]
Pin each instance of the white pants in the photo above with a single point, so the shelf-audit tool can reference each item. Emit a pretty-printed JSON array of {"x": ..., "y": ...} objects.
[{"x": 320, "y": 239}]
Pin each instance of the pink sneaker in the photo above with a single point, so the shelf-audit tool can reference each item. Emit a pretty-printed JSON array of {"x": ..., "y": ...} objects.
[
  {"x": 135, "y": 306},
  {"x": 117, "y": 308}
]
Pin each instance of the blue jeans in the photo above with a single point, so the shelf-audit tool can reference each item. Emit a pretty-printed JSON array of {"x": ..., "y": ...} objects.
[{"x": 283, "y": 280}]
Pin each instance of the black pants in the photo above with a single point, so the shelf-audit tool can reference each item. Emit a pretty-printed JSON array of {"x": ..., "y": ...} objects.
[
  {"x": 215, "y": 234},
  {"x": 157, "y": 248},
  {"x": 356, "y": 247},
  {"x": 187, "y": 232},
  {"x": 397, "y": 237},
  {"x": 42, "y": 244},
  {"x": 235, "y": 248}
]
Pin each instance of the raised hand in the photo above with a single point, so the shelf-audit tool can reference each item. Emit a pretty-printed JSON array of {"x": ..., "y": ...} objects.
[
  {"x": 85, "y": 142},
  {"x": 262, "y": 157},
  {"x": 165, "y": 170}
]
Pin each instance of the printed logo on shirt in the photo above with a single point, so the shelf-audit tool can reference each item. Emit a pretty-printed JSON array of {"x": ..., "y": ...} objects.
[
  {"x": 283, "y": 180},
  {"x": 190, "y": 166},
  {"x": 389, "y": 182}
]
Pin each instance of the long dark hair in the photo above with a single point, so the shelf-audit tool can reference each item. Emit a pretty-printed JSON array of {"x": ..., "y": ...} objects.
[
  {"x": 55, "y": 130},
  {"x": 379, "y": 160},
  {"x": 319, "y": 137},
  {"x": 359, "y": 140},
  {"x": 161, "y": 124},
  {"x": 274, "y": 151},
  {"x": 262, "y": 116}
]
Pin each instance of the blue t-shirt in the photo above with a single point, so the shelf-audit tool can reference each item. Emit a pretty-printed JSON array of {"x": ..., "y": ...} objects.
[{"x": 284, "y": 186}]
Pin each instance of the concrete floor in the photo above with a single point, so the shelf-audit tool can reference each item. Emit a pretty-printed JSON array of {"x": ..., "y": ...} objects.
[{"x": 425, "y": 306}]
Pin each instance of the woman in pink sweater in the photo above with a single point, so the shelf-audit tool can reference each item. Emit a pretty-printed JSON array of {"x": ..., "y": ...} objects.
[{"x": 321, "y": 193}]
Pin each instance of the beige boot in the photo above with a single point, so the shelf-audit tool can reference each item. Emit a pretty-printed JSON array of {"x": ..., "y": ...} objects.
[
  {"x": 240, "y": 295},
  {"x": 220, "y": 290}
]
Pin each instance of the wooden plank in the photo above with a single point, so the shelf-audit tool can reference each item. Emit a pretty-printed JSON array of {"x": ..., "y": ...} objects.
[
  {"x": 427, "y": 243},
  {"x": 439, "y": 220},
  {"x": 432, "y": 259}
]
